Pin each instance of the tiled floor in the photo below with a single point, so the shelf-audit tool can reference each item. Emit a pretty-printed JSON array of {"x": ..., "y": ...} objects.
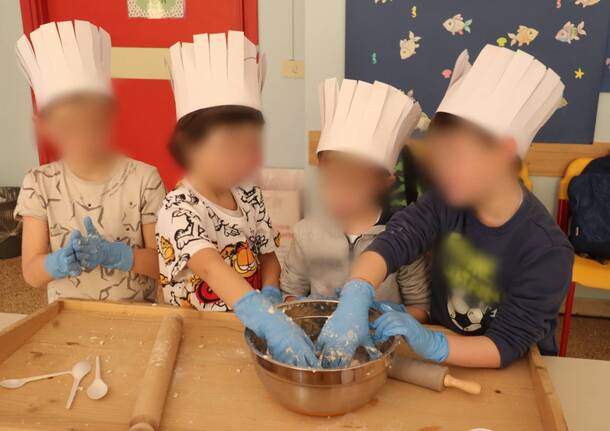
[{"x": 590, "y": 337}]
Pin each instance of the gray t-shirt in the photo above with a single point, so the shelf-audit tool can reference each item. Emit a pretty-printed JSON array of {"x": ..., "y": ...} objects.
[{"x": 119, "y": 206}]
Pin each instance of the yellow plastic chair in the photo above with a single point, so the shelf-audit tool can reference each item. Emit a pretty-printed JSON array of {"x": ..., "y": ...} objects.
[
  {"x": 587, "y": 272},
  {"x": 524, "y": 175}
]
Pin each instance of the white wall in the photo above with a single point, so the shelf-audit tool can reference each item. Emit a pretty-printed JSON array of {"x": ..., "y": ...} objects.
[
  {"x": 283, "y": 98},
  {"x": 17, "y": 146}
]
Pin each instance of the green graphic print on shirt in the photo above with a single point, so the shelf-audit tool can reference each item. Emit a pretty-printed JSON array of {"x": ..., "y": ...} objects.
[{"x": 473, "y": 294}]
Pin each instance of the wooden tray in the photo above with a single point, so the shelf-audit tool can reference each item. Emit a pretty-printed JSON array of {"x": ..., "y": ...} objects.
[{"x": 214, "y": 386}]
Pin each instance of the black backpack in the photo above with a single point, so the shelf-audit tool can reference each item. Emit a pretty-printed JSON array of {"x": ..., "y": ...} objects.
[{"x": 589, "y": 195}]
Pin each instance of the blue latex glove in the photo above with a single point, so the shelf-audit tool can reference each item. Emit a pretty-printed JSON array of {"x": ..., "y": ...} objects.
[
  {"x": 348, "y": 327},
  {"x": 93, "y": 251},
  {"x": 63, "y": 263},
  {"x": 285, "y": 340},
  {"x": 385, "y": 306},
  {"x": 426, "y": 343},
  {"x": 273, "y": 294}
]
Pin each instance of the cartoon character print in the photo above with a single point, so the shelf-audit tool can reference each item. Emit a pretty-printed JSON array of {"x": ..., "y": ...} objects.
[
  {"x": 254, "y": 199},
  {"x": 166, "y": 249},
  {"x": 193, "y": 231},
  {"x": 243, "y": 259}
]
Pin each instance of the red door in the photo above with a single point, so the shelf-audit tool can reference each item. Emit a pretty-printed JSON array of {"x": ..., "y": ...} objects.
[{"x": 146, "y": 106}]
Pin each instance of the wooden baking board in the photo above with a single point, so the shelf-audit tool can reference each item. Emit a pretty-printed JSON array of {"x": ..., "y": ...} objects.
[{"x": 215, "y": 387}]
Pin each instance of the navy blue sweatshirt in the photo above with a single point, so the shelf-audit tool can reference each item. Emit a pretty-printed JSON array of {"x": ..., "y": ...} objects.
[{"x": 506, "y": 282}]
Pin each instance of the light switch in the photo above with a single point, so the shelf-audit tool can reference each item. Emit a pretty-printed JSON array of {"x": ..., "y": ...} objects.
[{"x": 294, "y": 69}]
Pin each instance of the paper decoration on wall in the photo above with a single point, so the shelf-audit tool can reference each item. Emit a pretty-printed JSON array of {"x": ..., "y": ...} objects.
[
  {"x": 456, "y": 24},
  {"x": 570, "y": 32},
  {"x": 525, "y": 35},
  {"x": 414, "y": 12},
  {"x": 585, "y": 3},
  {"x": 155, "y": 9},
  {"x": 558, "y": 4},
  {"x": 562, "y": 103},
  {"x": 374, "y": 58},
  {"x": 409, "y": 45},
  {"x": 371, "y": 28},
  {"x": 447, "y": 73},
  {"x": 578, "y": 73}
]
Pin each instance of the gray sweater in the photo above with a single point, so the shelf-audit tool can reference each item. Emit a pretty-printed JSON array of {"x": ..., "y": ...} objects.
[{"x": 320, "y": 259}]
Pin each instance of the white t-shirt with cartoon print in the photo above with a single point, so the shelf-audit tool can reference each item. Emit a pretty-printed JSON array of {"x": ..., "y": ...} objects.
[{"x": 188, "y": 222}]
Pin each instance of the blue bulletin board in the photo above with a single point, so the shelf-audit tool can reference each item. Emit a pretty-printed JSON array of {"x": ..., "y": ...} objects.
[{"x": 413, "y": 44}]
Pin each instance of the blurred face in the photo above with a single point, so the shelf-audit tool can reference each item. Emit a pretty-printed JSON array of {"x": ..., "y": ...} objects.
[
  {"x": 467, "y": 166},
  {"x": 79, "y": 128},
  {"x": 228, "y": 155},
  {"x": 349, "y": 185}
]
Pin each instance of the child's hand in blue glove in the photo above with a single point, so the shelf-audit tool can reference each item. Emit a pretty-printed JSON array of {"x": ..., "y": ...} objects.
[
  {"x": 426, "y": 343},
  {"x": 93, "y": 251},
  {"x": 285, "y": 340},
  {"x": 385, "y": 306},
  {"x": 273, "y": 294},
  {"x": 348, "y": 327},
  {"x": 63, "y": 263}
]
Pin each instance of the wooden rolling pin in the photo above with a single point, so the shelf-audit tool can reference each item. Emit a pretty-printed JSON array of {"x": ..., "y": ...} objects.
[
  {"x": 428, "y": 375},
  {"x": 153, "y": 389}
]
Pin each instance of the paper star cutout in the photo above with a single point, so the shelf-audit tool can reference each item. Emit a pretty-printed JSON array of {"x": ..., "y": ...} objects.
[{"x": 578, "y": 73}]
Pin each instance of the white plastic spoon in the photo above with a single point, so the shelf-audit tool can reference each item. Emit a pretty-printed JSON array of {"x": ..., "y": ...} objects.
[
  {"x": 79, "y": 371},
  {"x": 17, "y": 383},
  {"x": 98, "y": 388}
]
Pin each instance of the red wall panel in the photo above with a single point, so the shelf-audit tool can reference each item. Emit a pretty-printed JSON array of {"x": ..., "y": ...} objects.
[{"x": 146, "y": 107}]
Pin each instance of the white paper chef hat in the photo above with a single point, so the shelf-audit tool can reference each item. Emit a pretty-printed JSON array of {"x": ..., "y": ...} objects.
[
  {"x": 505, "y": 92},
  {"x": 65, "y": 58},
  {"x": 372, "y": 121},
  {"x": 216, "y": 69}
]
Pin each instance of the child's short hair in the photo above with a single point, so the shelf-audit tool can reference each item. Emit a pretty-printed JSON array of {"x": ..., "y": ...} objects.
[
  {"x": 444, "y": 122},
  {"x": 195, "y": 126}
]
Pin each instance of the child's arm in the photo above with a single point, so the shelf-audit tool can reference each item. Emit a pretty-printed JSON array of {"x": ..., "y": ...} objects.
[
  {"x": 409, "y": 233},
  {"x": 270, "y": 269},
  {"x": 524, "y": 317},
  {"x": 39, "y": 267},
  {"x": 145, "y": 259},
  {"x": 285, "y": 340},
  {"x": 413, "y": 282},
  {"x": 226, "y": 283}
]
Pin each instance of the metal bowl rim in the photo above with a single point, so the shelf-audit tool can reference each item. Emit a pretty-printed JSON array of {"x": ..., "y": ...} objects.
[{"x": 268, "y": 358}]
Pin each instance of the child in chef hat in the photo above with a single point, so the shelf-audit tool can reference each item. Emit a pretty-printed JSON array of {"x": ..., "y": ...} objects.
[
  {"x": 215, "y": 239},
  {"x": 501, "y": 265},
  {"x": 364, "y": 129},
  {"x": 88, "y": 218}
]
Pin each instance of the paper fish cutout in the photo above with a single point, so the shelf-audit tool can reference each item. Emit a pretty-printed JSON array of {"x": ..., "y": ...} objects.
[
  {"x": 525, "y": 36},
  {"x": 562, "y": 103},
  {"x": 558, "y": 4},
  {"x": 423, "y": 123},
  {"x": 456, "y": 24},
  {"x": 408, "y": 46},
  {"x": 447, "y": 73},
  {"x": 570, "y": 32},
  {"x": 585, "y": 3},
  {"x": 414, "y": 12},
  {"x": 501, "y": 41},
  {"x": 374, "y": 58},
  {"x": 579, "y": 73}
]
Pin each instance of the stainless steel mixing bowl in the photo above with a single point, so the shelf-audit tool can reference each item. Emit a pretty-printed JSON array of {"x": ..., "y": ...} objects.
[{"x": 320, "y": 392}]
